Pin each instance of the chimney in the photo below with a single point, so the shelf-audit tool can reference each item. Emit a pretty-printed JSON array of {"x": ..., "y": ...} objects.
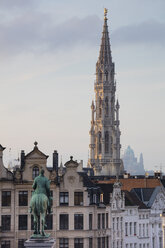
[
  {"x": 3, "y": 173},
  {"x": 55, "y": 161},
  {"x": 22, "y": 159}
]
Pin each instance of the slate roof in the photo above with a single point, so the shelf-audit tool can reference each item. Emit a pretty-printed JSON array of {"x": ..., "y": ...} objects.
[
  {"x": 131, "y": 199},
  {"x": 144, "y": 194},
  {"x": 147, "y": 195}
]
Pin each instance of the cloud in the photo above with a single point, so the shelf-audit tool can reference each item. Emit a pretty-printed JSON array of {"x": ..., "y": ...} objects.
[
  {"x": 38, "y": 33},
  {"x": 9, "y": 4},
  {"x": 149, "y": 33}
]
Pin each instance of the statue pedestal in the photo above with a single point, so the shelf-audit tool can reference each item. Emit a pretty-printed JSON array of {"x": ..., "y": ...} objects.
[{"x": 40, "y": 242}]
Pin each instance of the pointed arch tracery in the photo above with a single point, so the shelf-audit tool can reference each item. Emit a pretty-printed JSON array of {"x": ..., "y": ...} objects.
[
  {"x": 100, "y": 107},
  {"x": 99, "y": 142},
  {"x": 106, "y": 107},
  {"x": 106, "y": 142}
]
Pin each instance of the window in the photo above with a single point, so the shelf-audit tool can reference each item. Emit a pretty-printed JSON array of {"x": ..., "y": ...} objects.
[
  {"x": 78, "y": 221},
  {"x": 117, "y": 223},
  {"x": 101, "y": 198},
  {"x": 98, "y": 242},
  {"x": 35, "y": 172},
  {"x": 143, "y": 230},
  {"x": 22, "y": 222},
  {"x": 78, "y": 243},
  {"x": 134, "y": 228},
  {"x": 6, "y": 222},
  {"x": 64, "y": 222},
  {"x": 153, "y": 242},
  {"x": 100, "y": 107},
  {"x": 106, "y": 106},
  {"x": 5, "y": 244},
  {"x": 94, "y": 198},
  {"x": 126, "y": 228},
  {"x": 107, "y": 220},
  {"x": 160, "y": 242},
  {"x": 103, "y": 221},
  {"x": 23, "y": 198},
  {"x": 103, "y": 242},
  {"x": 121, "y": 223},
  {"x": 147, "y": 230},
  {"x": 130, "y": 228},
  {"x": 140, "y": 230},
  {"x": 99, "y": 221},
  {"x": 21, "y": 243},
  {"x": 78, "y": 198},
  {"x": 113, "y": 223},
  {"x": 64, "y": 198},
  {"x": 106, "y": 142},
  {"x": 99, "y": 142},
  {"x": 107, "y": 242},
  {"x": 49, "y": 222},
  {"x": 64, "y": 243},
  {"x": 90, "y": 221},
  {"x": 90, "y": 243},
  {"x": 6, "y": 198}
]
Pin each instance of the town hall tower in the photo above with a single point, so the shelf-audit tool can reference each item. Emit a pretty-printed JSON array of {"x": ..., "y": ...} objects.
[{"x": 105, "y": 133}]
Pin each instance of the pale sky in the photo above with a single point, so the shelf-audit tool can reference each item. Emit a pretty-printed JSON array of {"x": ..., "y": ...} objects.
[{"x": 48, "y": 52}]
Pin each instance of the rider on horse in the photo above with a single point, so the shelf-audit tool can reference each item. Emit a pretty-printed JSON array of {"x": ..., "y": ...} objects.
[{"x": 41, "y": 201}]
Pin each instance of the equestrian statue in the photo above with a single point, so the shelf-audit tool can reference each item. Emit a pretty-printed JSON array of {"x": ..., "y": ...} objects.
[{"x": 41, "y": 203}]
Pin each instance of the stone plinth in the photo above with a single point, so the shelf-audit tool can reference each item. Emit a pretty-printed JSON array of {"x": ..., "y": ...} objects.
[{"x": 40, "y": 243}]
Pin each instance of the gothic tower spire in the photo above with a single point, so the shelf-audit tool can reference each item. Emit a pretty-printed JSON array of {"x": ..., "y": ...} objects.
[
  {"x": 105, "y": 133},
  {"x": 105, "y": 58}
]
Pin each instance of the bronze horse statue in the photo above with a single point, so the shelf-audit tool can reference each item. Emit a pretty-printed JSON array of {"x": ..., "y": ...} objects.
[{"x": 40, "y": 203}]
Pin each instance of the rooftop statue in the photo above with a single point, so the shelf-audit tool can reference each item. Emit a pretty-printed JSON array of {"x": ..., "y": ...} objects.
[{"x": 40, "y": 203}]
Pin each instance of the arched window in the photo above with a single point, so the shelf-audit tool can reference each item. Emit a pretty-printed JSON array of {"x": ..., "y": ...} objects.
[
  {"x": 35, "y": 172},
  {"x": 100, "y": 76},
  {"x": 106, "y": 142},
  {"x": 99, "y": 142},
  {"x": 106, "y": 107},
  {"x": 100, "y": 107},
  {"x": 106, "y": 76}
]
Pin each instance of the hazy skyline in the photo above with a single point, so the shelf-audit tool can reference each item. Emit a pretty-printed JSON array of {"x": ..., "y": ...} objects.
[{"x": 48, "y": 52}]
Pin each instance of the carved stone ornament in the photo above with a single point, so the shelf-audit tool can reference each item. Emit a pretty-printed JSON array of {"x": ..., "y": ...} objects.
[
  {"x": 18, "y": 175},
  {"x": 71, "y": 179}
]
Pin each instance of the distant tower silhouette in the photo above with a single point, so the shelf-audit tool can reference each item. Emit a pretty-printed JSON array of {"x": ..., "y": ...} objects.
[{"x": 105, "y": 133}]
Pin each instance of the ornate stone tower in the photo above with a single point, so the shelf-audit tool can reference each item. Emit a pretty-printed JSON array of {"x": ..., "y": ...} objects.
[{"x": 105, "y": 133}]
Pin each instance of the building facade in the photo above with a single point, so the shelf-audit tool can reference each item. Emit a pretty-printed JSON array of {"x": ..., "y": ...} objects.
[{"x": 105, "y": 133}]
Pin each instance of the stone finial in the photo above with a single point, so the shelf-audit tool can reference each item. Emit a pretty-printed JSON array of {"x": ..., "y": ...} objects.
[{"x": 35, "y": 144}]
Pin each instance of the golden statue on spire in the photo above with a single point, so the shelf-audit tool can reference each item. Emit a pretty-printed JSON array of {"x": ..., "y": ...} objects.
[{"x": 105, "y": 13}]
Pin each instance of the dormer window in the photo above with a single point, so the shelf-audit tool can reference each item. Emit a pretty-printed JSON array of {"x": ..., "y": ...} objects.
[
  {"x": 94, "y": 198},
  {"x": 35, "y": 172},
  {"x": 101, "y": 198}
]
